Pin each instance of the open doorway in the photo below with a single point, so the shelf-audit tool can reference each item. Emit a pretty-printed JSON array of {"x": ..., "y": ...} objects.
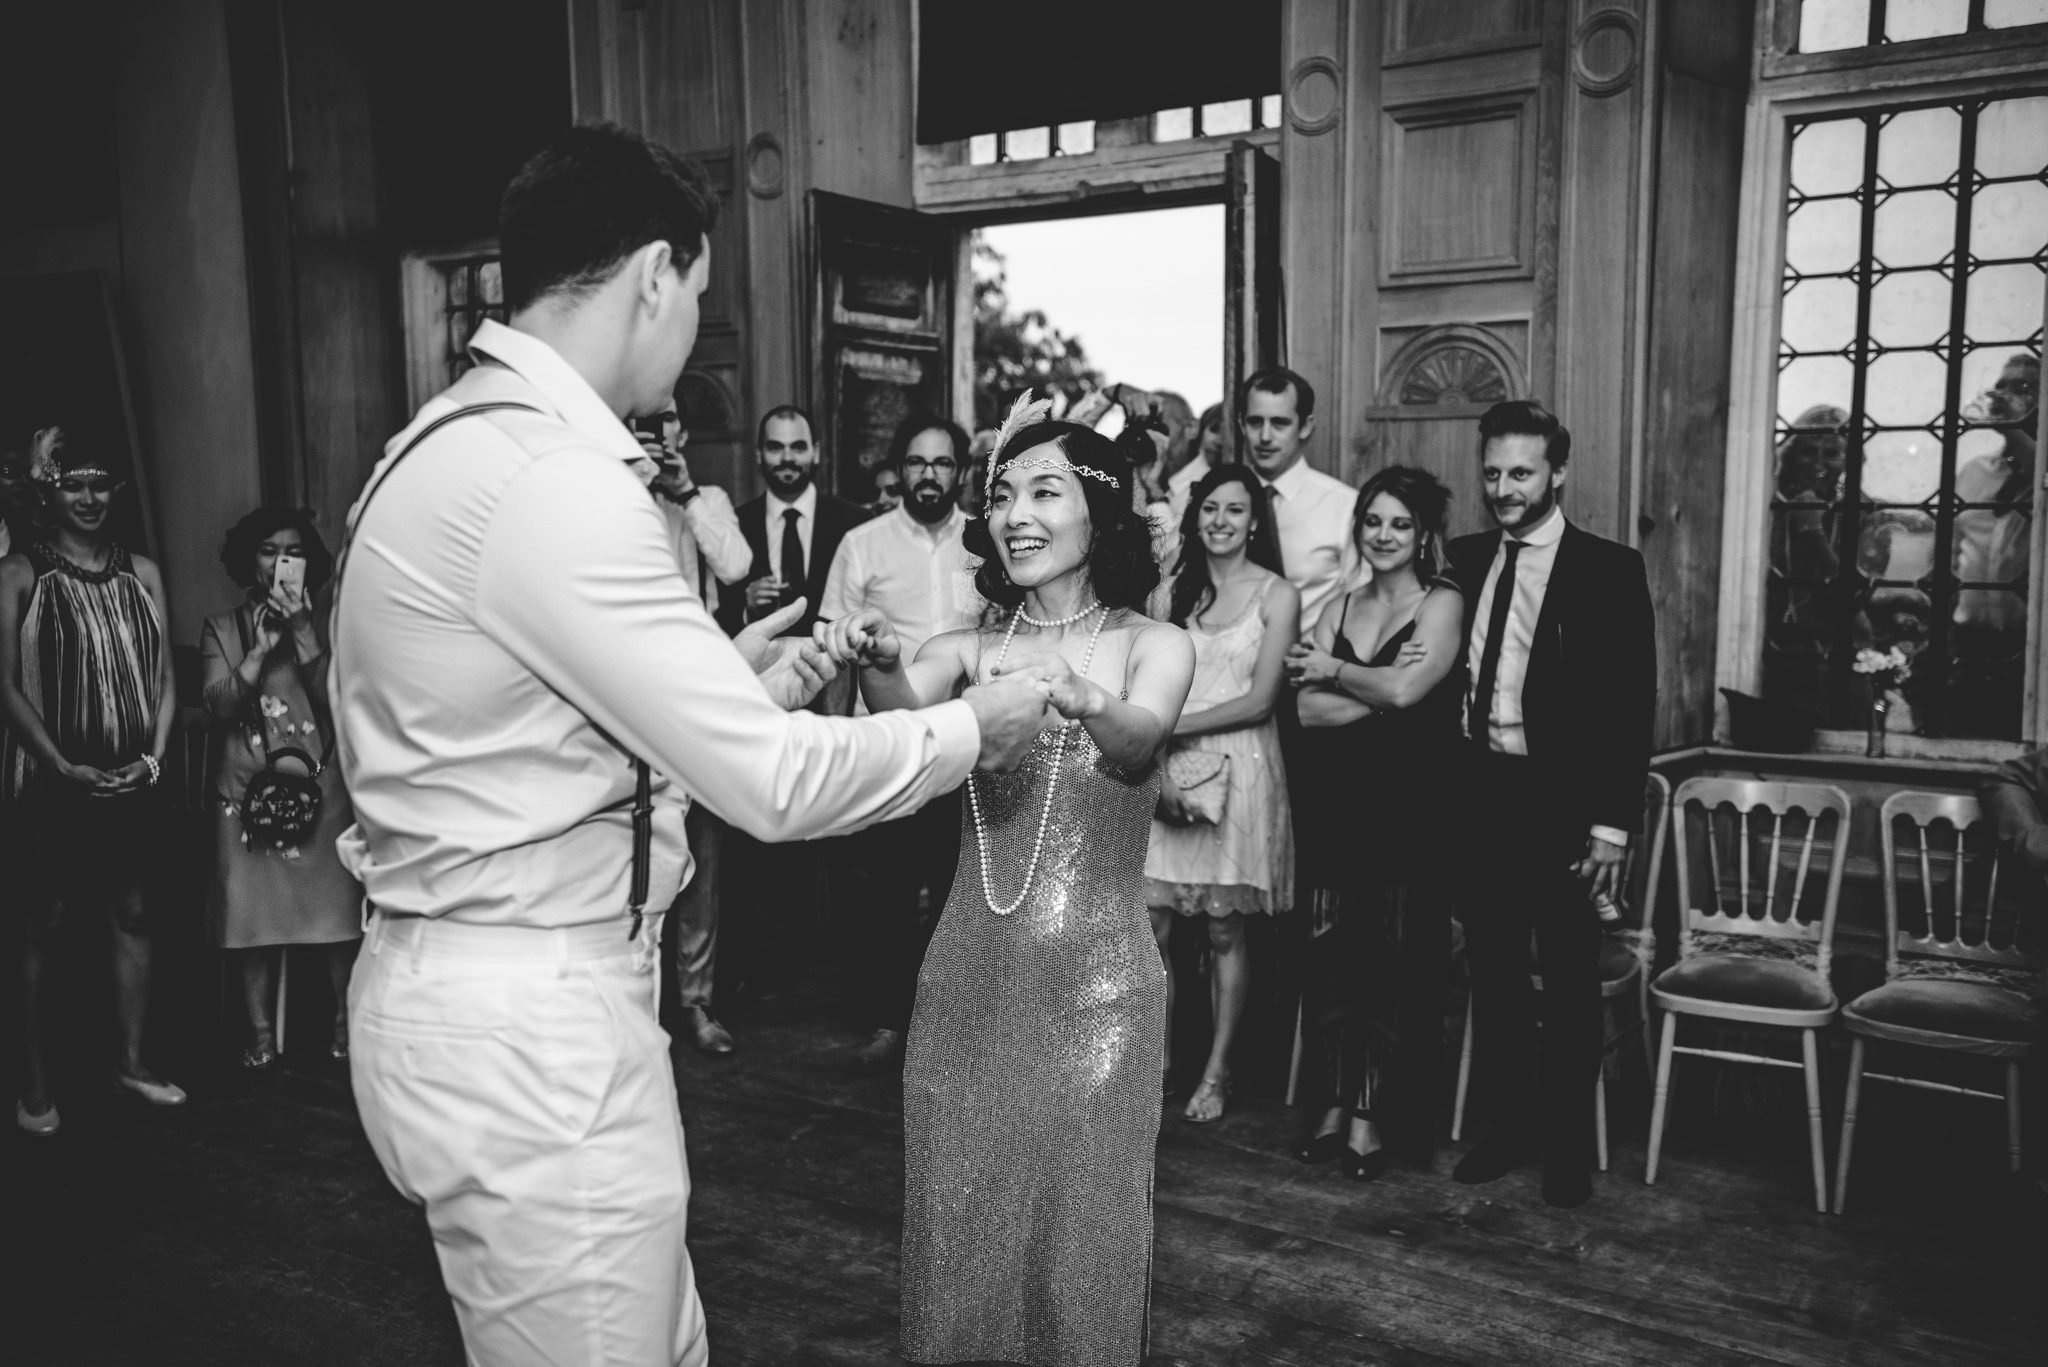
[{"x": 1069, "y": 304}]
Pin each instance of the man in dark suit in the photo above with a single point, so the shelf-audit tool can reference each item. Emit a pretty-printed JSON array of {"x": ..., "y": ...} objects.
[
  {"x": 1558, "y": 718},
  {"x": 793, "y": 527}
]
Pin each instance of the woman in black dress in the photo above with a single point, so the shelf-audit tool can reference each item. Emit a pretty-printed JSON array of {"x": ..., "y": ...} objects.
[{"x": 1381, "y": 687}]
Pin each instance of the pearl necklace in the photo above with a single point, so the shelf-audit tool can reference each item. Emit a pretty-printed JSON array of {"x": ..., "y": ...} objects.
[
  {"x": 1029, "y": 620},
  {"x": 1058, "y": 754}
]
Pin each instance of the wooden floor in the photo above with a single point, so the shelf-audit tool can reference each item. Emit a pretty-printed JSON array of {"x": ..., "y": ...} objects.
[{"x": 254, "y": 1228}]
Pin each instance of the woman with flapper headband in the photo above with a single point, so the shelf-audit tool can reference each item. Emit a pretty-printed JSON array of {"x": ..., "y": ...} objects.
[
  {"x": 1030, "y": 1084},
  {"x": 86, "y": 690}
]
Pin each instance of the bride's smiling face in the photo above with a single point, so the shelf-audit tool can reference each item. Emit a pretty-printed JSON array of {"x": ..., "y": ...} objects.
[{"x": 1038, "y": 518}]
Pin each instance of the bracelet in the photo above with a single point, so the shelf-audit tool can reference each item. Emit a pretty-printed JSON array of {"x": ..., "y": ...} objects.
[{"x": 156, "y": 769}]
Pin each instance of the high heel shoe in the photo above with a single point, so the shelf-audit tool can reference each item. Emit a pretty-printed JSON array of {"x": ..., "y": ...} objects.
[
  {"x": 1362, "y": 1167},
  {"x": 1320, "y": 1148}
]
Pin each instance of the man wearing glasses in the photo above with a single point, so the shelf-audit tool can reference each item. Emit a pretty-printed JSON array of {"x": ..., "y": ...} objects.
[{"x": 910, "y": 565}]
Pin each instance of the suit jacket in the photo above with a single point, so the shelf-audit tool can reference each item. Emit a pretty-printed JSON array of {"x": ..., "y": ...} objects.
[
  {"x": 835, "y": 518},
  {"x": 1589, "y": 699}
]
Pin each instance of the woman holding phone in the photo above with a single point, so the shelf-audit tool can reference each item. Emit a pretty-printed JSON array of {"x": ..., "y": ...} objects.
[{"x": 266, "y": 688}]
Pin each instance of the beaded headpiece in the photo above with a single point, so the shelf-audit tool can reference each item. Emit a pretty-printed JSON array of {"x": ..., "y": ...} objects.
[
  {"x": 45, "y": 464},
  {"x": 1023, "y": 414}
]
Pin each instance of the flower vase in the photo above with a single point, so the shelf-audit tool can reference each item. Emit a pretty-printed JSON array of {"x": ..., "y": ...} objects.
[{"x": 1880, "y": 709}]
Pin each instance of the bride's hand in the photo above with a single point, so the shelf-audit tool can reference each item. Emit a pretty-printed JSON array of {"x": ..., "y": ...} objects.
[
  {"x": 1073, "y": 696},
  {"x": 862, "y": 638}
]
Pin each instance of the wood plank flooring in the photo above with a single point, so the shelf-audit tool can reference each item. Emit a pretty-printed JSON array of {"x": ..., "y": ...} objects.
[{"x": 255, "y": 1228}]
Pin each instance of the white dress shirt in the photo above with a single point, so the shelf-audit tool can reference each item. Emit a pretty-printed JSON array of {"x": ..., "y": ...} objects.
[
  {"x": 806, "y": 505},
  {"x": 512, "y": 615},
  {"x": 706, "y": 535},
  {"x": 1312, "y": 517},
  {"x": 1533, "y": 565},
  {"x": 920, "y": 578}
]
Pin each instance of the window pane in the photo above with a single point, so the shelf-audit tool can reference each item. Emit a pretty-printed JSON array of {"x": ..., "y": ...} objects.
[
  {"x": 490, "y": 282},
  {"x": 458, "y": 287},
  {"x": 2012, "y": 13},
  {"x": 1171, "y": 125},
  {"x": 1919, "y": 147},
  {"x": 1911, "y": 308},
  {"x": 2012, "y": 136},
  {"x": 1027, "y": 144},
  {"x": 1905, "y": 20},
  {"x": 1232, "y": 116},
  {"x": 1828, "y": 25},
  {"x": 981, "y": 149},
  {"x": 1827, "y": 158},
  {"x": 1902, "y": 512},
  {"x": 1077, "y": 139},
  {"x": 1269, "y": 108},
  {"x": 2009, "y": 221}
]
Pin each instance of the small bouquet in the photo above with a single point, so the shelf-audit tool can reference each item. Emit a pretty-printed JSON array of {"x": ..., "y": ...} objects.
[{"x": 1886, "y": 669}]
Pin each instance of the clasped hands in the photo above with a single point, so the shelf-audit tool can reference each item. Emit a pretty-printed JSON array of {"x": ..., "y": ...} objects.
[{"x": 1010, "y": 708}]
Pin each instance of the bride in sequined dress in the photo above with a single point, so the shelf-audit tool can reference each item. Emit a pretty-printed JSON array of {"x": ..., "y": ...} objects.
[{"x": 1031, "y": 1077}]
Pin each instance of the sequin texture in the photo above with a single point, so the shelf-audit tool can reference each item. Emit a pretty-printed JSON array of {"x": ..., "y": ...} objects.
[{"x": 1031, "y": 1082}]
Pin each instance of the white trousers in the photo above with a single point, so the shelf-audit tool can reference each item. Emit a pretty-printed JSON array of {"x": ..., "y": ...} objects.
[{"x": 517, "y": 1084}]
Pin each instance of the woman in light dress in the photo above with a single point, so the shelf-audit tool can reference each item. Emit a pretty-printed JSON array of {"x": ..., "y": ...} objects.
[{"x": 1242, "y": 615}]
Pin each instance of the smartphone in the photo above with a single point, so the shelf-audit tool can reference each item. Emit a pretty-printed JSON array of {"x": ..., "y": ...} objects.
[{"x": 291, "y": 570}]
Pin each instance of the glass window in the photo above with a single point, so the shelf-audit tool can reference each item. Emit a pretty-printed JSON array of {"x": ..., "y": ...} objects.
[
  {"x": 1910, "y": 334},
  {"x": 1171, "y": 125},
  {"x": 981, "y": 150},
  {"x": 1076, "y": 139},
  {"x": 1830, "y": 25},
  {"x": 1027, "y": 144},
  {"x": 474, "y": 289}
]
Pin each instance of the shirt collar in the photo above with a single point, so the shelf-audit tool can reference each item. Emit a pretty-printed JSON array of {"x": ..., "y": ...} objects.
[
  {"x": 1289, "y": 485},
  {"x": 557, "y": 382},
  {"x": 1548, "y": 532},
  {"x": 806, "y": 504}
]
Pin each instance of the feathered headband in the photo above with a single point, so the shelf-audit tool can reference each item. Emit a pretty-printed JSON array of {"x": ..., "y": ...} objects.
[
  {"x": 1023, "y": 414},
  {"x": 44, "y": 465}
]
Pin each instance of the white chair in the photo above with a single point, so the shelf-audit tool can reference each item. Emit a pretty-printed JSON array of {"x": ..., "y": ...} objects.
[
  {"x": 1956, "y": 975},
  {"x": 1625, "y": 956},
  {"x": 1750, "y": 949}
]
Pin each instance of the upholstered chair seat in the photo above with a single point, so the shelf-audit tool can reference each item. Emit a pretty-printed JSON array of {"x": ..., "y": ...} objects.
[
  {"x": 1737, "y": 986},
  {"x": 1941, "y": 1013}
]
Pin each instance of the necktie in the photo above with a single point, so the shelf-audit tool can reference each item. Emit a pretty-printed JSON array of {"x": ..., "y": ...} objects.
[
  {"x": 1496, "y": 630},
  {"x": 792, "y": 556},
  {"x": 1279, "y": 551}
]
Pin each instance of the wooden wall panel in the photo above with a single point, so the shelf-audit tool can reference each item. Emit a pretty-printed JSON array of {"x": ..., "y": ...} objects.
[
  {"x": 860, "y": 77},
  {"x": 1458, "y": 190},
  {"x": 1320, "y": 95},
  {"x": 1430, "y": 27}
]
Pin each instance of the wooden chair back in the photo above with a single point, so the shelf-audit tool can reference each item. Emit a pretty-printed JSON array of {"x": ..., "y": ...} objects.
[
  {"x": 1773, "y": 862},
  {"x": 1943, "y": 897}
]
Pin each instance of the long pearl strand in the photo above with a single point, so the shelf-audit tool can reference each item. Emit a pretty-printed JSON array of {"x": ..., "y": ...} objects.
[{"x": 1052, "y": 782}]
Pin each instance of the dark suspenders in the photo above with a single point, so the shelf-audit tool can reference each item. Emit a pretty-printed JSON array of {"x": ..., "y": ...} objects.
[{"x": 643, "y": 777}]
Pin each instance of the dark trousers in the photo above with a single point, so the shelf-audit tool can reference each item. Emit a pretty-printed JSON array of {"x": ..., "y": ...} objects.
[
  {"x": 906, "y": 875},
  {"x": 1530, "y": 1086}
]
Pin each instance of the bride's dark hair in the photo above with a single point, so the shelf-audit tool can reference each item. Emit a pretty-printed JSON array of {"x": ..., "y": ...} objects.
[{"x": 1121, "y": 567}]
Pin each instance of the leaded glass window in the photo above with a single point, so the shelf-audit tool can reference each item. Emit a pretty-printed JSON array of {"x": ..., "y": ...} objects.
[
  {"x": 1830, "y": 25},
  {"x": 475, "y": 290},
  {"x": 1916, "y": 242}
]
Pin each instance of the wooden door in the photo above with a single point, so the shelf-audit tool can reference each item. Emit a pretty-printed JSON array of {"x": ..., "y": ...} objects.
[
  {"x": 1253, "y": 297},
  {"x": 887, "y": 285}
]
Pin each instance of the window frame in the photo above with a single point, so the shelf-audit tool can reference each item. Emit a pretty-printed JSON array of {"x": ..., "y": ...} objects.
[{"x": 1790, "y": 88}]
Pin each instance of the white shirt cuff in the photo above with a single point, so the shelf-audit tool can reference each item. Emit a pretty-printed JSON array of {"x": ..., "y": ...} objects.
[
  {"x": 958, "y": 736},
  {"x": 1610, "y": 835}
]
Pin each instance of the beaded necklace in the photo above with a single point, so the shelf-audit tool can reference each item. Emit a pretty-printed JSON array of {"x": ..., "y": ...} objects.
[{"x": 1051, "y": 783}]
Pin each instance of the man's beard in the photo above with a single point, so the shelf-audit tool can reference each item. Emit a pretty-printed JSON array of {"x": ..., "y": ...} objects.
[
  {"x": 789, "y": 481},
  {"x": 926, "y": 510},
  {"x": 1531, "y": 512}
]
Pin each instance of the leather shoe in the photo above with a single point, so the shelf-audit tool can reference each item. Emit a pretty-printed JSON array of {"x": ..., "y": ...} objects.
[
  {"x": 1567, "y": 1188},
  {"x": 1489, "y": 1161},
  {"x": 40, "y": 1124},
  {"x": 1320, "y": 1148},
  {"x": 708, "y": 1034},
  {"x": 1362, "y": 1167},
  {"x": 882, "y": 1051}
]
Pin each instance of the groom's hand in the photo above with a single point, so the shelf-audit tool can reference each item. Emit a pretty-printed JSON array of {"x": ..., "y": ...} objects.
[
  {"x": 1010, "y": 715},
  {"x": 757, "y": 644}
]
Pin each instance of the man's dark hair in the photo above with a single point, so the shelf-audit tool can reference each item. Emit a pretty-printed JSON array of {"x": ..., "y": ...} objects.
[
  {"x": 783, "y": 410},
  {"x": 588, "y": 200},
  {"x": 1527, "y": 418},
  {"x": 916, "y": 425},
  {"x": 1277, "y": 379}
]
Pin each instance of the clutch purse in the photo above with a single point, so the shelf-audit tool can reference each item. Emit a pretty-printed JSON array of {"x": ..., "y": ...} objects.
[{"x": 1203, "y": 777}]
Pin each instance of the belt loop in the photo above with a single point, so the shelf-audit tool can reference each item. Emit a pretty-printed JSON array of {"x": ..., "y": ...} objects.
[
  {"x": 374, "y": 927},
  {"x": 419, "y": 941},
  {"x": 559, "y": 936},
  {"x": 369, "y": 913}
]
